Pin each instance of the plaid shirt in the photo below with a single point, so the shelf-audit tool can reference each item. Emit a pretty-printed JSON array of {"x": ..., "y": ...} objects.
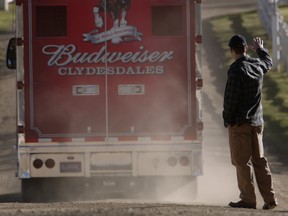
[{"x": 243, "y": 92}]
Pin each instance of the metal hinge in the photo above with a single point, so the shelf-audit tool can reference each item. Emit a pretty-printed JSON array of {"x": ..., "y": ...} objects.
[
  {"x": 20, "y": 129},
  {"x": 198, "y": 39},
  {"x": 200, "y": 126},
  {"x": 199, "y": 83},
  {"x": 19, "y": 41},
  {"x": 19, "y": 2},
  {"x": 20, "y": 85}
]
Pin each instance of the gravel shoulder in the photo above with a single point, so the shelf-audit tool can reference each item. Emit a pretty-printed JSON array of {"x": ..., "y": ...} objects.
[{"x": 116, "y": 208}]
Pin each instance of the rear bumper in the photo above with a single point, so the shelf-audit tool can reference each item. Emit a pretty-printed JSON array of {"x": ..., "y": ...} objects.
[{"x": 89, "y": 160}]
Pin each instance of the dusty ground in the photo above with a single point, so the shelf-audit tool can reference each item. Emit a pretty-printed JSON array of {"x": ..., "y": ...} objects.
[
  {"x": 116, "y": 208},
  {"x": 217, "y": 186}
]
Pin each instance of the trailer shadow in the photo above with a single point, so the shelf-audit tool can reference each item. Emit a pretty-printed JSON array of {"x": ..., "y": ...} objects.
[
  {"x": 10, "y": 198},
  {"x": 8, "y": 156}
]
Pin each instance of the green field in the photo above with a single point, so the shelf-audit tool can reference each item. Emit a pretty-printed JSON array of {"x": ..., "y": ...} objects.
[
  {"x": 284, "y": 12},
  {"x": 7, "y": 27},
  {"x": 275, "y": 97},
  {"x": 7, "y": 19}
]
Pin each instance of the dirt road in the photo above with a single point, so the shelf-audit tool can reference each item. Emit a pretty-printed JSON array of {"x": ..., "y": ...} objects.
[
  {"x": 217, "y": 186},
  {"x": 124, "y": 208}
]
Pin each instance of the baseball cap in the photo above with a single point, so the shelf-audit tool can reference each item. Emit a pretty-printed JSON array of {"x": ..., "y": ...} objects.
[{"x": 237, "y": 41}]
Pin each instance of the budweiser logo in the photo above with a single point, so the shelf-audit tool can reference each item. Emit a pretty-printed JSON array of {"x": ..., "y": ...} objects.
[
  {"x": 62, "y": 55},
  {"x": 120, "y": 31}
]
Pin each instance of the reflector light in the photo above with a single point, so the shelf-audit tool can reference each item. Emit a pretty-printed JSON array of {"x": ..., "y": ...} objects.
[
  {"x": 50, "y": 163},
  {"x": 37, "y": 163},
  {"x": 172, "y": 161},
  {"x": 131, "y": 89},
  {"x": 86, "y": 90},
  {"x": 184, "y": 161}
]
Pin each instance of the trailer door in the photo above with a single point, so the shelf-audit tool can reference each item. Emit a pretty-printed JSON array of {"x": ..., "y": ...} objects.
[
  {"x": 98, "y": 70},
  {"x": 153, "y": 93}
]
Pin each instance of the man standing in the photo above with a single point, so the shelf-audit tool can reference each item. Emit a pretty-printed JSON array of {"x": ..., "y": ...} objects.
[{"x": 243, "y": 116}]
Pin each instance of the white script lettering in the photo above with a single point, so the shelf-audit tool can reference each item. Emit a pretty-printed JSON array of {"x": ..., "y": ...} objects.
[{"x": 62, "y": 55}]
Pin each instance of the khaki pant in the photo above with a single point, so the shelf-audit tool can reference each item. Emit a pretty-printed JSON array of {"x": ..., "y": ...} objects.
[{"x": 246, "y": 148}]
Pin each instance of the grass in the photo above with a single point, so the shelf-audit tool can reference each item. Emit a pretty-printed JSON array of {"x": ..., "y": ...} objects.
[
  {"x": 7, "y": 20},
  {"x": 284, "y": 12},
  {"x": 275, "y": 97}
]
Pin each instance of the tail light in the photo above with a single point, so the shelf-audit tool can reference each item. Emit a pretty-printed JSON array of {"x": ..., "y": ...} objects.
[
  {"x": 172, "y": 161},
  {"x": 37, "y": 163},
  {"x": 50, "y": 163},
  {"x": 184, "y": 161}
]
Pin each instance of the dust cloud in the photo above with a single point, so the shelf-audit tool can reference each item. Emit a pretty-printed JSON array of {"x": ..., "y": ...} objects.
[{"x": 218, "y": 184}]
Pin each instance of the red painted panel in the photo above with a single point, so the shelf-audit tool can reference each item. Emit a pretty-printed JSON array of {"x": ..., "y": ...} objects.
[{"x": 146, "y": 89}]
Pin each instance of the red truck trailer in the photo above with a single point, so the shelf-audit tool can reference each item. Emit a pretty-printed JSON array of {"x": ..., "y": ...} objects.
[{"x": 107, "y": 91}]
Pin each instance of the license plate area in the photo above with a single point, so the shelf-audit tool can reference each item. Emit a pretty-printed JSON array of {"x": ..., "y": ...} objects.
[{"x": 70, "y": 167}]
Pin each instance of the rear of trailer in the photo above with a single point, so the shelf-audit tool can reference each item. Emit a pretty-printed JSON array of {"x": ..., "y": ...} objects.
[{"x": 108, "y": 92}]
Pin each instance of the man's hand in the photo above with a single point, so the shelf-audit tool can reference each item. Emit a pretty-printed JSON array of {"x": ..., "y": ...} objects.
[{"x": 257, "y": 43}]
